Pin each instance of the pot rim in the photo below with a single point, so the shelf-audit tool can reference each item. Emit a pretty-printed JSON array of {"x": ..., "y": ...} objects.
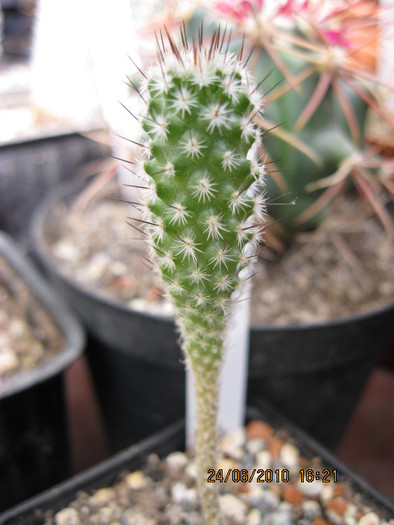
[
  {"x": 65, "y": 321},
  {"x": 68, "y": 189}
]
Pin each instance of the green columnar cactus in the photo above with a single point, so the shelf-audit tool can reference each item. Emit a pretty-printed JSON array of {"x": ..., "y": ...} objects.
[{"x": 204, "y": 211}]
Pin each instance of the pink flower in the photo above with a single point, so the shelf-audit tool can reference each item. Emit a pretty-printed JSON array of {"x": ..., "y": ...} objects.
[{"x": 239, "y": 10}]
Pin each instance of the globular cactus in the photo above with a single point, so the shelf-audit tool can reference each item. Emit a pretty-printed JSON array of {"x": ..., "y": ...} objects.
[{"x": 203, "y": 213}]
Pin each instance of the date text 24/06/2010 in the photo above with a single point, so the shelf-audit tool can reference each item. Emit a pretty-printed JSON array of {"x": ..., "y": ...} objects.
[{"x": 260, "y": 475}]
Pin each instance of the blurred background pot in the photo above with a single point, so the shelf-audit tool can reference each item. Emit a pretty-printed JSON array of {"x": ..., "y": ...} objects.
[
  {"x": 313, "y": 373},
  {"x": 34, "y": 448},
  {"x": 31, "y": 168}
]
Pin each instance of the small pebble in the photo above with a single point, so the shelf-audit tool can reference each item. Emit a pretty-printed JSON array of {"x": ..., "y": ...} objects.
[
  {"x": 319, "y": 521},
  {"x": 106, "y": 515},
  {"x": 66, "y": 251},
  {"x": 133, "y": 517},
  {"x": 254, "y": 446},
  {"x": 275, "y": 446},
  {"x": 311, "y": 489},
  {"x": 232, "y": 443},
  {"x": 351, "y": 511},
  {"x": 263, "y": 499},
  {"x": 278, "y": 518},
  {"x": 311, "y": 509},
  {"x": 232, "y": 507},
  {"x": 289, "y": 455},
  {"x": 227, "y": 464},
  {"x": 176, "y": 462},
  {"x": 187, "y": 498},
  {"x": 254, "y": 517},
  {"x": 17, "y": 328},
  {"x": 264, "y": 459},
  {"x": 67, "y": 517},
  {"x": 326, "y": 493},
  {"x": 349, "y": 520},
  {"x": 335, "y": 510},
  {"x": 292, "y": 494},
  {"x": 339, "y": 489},
  {"x": 369, "y": 519},
  {"x": 101, "y": 497},
  {"x": 8, "y": 361},
  {"x": 259, "y": 430},
  {"x": 136, "y": 480},
  {"x": 191, "y": 470}
]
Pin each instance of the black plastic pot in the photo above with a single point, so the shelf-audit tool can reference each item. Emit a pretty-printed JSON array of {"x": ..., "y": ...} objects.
[
  {"x": 313, "y": 373},
  {"x": 171, "y": 439},
  {"x": 34, "y": 449},
  {"x": 30, "y": 169},
  {"x": 134, "y": 357}
]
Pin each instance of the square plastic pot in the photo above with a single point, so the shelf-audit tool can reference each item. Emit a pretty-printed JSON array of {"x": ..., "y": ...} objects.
[
  {"x": 169, "y": 440},
  {"x": 34, "y": 448}
]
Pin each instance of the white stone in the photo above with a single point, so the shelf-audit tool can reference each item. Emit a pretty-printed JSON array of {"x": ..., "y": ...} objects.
[
  {"x": 311, "y": 489},
  {"x": 101, "y": 497},
  {"x": 118, "y": 268},
  {"x": 183, "y": 495},
  {"x": 133, "y": 517},
  {"x": 349, "y": 520},
  {"x": 351, "y": 511},
  {"x": 232, "y": 507},
  {"x": 334, "y": 517},
  {"x": 289, "y": 455},
  {"x": 136, "y": 480},
  {"x": 67, "y": 517},
  {"x": 66, "y": 251},
  {"x": 311, "y": 509},
  {"x": 264, "y": 459},
  {"x": 176, "y": 462},
  {"x": 264, "y": 499},
  {"x": 285, "y": 507},
  {"x": 327, "y": 493},
  {"x": 278, "y": 518},
  {"x": 233, "y": 443},
  {"x": 191, "y": 470},
  {"x": 17, "y": 328},
  {"x": 8, "y": 361},
  {"x": 254, "y": 517},
  {"x": 253, "y": 446},
  {"x": 369, "y": 519},
  {"x": 106, "y": 515}
]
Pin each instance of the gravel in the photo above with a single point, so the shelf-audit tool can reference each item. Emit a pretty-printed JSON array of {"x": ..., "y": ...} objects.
[
  {"x": 345, "y": 267},
  {"x": 164, "y": 492}
]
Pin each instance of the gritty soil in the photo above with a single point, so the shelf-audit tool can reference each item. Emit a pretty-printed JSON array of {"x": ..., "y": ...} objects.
[
  {"x": 28, "y": 334},
  {"x": 262, "y": 479},
  {"x": 346, "y": 267}
]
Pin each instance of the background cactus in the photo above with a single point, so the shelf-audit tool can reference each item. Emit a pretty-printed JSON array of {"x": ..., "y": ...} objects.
[
  {"x": 321, "y": 60},
  {"x": 203, "y": 206}
]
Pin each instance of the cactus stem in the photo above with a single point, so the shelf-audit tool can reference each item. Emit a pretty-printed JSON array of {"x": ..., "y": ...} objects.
[{"x": 203, "y": 210}]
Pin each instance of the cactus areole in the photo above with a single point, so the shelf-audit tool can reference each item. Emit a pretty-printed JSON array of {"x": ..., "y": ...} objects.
[{"x": 203, "y": 207}]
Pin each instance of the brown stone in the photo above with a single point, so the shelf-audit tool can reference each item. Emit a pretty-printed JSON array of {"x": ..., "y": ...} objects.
[
  {"x": 154, "y": 294},
  {"x": 274, "y": 447},
  {"x": 337, "y": 505},
  {"x": 319, "y": 521},
  {"x": 340, "y": 489},
  {"x": 259, "y": 430},
  {"x": 292, "y": 495}
]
